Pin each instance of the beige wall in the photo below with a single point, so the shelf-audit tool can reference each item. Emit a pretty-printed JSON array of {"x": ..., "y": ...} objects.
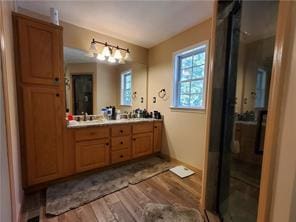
[
  {"x": 104, "y": 84},
  {"x": 139, "y": 85},
  {"x": 80, "y": 38},
  {"x": 284, "y": 199},
  {"x": 184, "y": 133},
  {"x": 11, "y": 107},
  {"x": 252, "y": 56}
]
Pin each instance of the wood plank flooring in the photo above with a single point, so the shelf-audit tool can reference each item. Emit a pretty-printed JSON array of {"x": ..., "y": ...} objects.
[{"x": 127, "y": 204}]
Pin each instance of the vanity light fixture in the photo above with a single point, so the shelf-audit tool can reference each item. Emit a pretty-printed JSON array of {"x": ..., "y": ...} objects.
[{"x": 107, "y": 53}]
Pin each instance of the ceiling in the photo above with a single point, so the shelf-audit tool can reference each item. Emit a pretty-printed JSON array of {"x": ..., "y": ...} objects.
[
  {"x": 77, "y": 56},
  {"x": 141, "y": 22},
  {"x": 258, "y": 20}
]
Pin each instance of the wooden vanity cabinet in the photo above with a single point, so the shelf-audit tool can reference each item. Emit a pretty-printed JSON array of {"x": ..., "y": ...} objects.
[
  {"x": 157, "y": 137},
  {"x": 92, "y": 148},
  {"x": 39, "y": 68},
  {"x": 142, "y": 141},
  {"x": 121, "y": 143}
]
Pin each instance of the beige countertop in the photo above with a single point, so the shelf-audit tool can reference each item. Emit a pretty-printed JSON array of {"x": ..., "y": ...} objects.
[{"x": 92, "y": 123}]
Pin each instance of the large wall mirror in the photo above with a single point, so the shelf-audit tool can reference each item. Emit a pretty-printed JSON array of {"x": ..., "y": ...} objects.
[{"x": 92, "y": 85}]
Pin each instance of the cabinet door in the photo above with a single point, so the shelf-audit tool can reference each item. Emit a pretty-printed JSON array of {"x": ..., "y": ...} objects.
[
  {"x": 43, "y": 125},
  {"x": 142, "y": 144},
  {"x": 40, "y": 52},
  {"x": 92, "y": 154},
  {"x": 157, "y": 134}
]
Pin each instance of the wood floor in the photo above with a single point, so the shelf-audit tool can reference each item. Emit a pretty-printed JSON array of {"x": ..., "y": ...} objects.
[{"x": 127, "y": 204}]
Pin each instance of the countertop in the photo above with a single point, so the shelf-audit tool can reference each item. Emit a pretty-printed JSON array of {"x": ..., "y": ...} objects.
[{"x": 92, "y": 123}]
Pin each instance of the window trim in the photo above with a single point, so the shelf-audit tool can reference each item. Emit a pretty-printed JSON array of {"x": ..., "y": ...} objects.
[
  {"x": 174, "y": 105},
  {"x": 124, "y": 73}
]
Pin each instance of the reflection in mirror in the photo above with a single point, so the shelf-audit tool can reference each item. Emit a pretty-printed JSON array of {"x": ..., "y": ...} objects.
[{"x": 92, "y": 85}]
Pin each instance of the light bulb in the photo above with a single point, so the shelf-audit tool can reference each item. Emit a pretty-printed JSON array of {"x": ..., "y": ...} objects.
[
  {"x": 100, "y": 57},
  {"x": 111, "y": 59},
  {"x": 117, "y": 54},
  {"x": 93, "y": 48},
  {"x": 127, "y": 57},
  {"x": 106, "y": 52}
]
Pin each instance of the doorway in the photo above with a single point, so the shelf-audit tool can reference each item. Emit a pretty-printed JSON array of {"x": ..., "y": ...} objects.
[
  {"x": 246, "y": 33},
  {"x": 82, "y": 94}
]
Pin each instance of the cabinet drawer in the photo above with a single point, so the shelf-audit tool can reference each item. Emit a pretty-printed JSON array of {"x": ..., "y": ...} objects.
[
  {"x": 121, "y": 142},
  {"x": 92, "y": 154},
  {"x": 120, "y": 155},
  {"x": 122, "y": 130},
  {"x": 143, "y": 128},
  {"x": 91, "y": 133}
]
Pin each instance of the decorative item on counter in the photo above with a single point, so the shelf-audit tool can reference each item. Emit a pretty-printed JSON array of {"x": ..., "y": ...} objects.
[
  {"x": 54, "y": 16},
  {"x": 113, "y": 116},
  {"x": 157, "y": 115}
]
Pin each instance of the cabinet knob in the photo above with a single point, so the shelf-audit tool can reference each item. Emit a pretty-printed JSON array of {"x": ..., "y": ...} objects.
[
  {"x": 155, "y": 127},
  {"x": 121, "y": 131},
  {"x": 57, "y": 95},
  {"x": 134, "y": 139},
  {"x": 121, "y": 156},
  {"x": 56, "y": 79},
  {"x": 107, "y": 144},
  {"x": 121, "y": 142}
]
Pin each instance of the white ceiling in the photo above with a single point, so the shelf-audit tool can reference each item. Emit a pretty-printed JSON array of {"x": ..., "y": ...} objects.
[
  {"x": 77, "y": 56},
  {"x": 142, "y": 22}
]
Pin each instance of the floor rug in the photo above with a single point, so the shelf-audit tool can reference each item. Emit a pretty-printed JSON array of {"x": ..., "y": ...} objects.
[
  {"x": 167, "y": 213},
  {"x": 71, "y": 194}
]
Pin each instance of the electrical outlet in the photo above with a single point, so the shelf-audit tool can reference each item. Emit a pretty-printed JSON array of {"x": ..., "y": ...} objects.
[{"x": 154, "y": 99}]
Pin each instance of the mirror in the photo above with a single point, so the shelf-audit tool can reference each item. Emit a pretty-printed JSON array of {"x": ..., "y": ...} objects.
[{"x": 92, "y": 85}]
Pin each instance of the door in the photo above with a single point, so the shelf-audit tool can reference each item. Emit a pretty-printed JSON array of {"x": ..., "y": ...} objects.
[
  {"x": 142, "y": 144},
  {"x": 43, "y": 125},
  {"x": 40, "y": 52},
  {"x": 157, "y": 134},
  {"x": 92, "y": 154},
  {"x": 82, "y": 94},
  {"x": 244, "y": 97}
]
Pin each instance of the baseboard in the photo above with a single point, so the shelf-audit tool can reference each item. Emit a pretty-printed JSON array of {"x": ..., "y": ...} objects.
[{"x": 169, "y": 158}]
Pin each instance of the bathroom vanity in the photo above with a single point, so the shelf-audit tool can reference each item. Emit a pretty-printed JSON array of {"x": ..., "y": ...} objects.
[
  {"x": 105, "y": 143},
  {"x": 49, "y": 83}
]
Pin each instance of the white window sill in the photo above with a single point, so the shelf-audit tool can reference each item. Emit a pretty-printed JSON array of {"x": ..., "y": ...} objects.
[{"x": 187, "y": 109}]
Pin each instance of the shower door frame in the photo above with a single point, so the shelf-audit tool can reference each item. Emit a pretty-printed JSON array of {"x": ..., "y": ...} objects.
[{"x": 285, "y": 22}]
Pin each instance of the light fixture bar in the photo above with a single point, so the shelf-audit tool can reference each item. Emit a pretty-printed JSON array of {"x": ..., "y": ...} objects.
[{"x": 109, "y": 45}]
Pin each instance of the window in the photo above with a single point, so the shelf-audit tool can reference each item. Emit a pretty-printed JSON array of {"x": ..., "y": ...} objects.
[
  {"x": 260, "y": 88},
  {"x": 190, "y": 73},
  {"x": 126, "y": 89}
]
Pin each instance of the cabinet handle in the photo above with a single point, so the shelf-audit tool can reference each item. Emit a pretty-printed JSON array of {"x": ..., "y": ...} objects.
[
  {"x": 57, "y": 95},
  {"x": 121, "y": 142},
  {"x": 121, "y": 156}
]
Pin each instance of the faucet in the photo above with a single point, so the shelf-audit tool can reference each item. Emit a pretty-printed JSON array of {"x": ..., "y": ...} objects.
[{"x": 84, "y": 116}]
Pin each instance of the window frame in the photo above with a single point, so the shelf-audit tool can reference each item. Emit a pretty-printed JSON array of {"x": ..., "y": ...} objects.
[
  {"x": 185, "y": 52},
  {"x": 123, "y": 85}
]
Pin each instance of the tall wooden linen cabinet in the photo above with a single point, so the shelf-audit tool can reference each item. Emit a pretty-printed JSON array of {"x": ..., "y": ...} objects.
[{"x": 40, "y": 87}]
